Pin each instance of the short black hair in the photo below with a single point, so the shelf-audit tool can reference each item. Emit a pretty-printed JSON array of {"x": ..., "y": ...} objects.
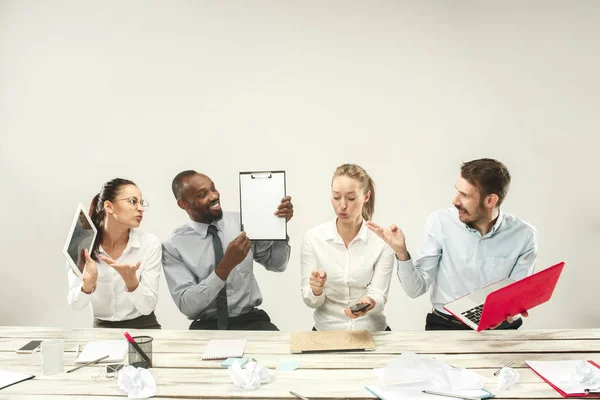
[
  {"x": 177, "y": 185},
  {"x": 489, "y": 175}
]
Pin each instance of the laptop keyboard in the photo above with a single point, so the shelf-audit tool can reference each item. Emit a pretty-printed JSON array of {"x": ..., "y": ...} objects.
[{"x": 474, "y": 314}]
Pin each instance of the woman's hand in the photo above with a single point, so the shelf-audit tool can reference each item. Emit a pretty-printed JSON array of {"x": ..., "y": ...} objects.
[{"x": 127, "y": 272}]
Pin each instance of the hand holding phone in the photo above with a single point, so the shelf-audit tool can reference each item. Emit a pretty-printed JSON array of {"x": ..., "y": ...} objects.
[
  {"x": 359, "y": 307},
  {"x": 29, "y": 347}
]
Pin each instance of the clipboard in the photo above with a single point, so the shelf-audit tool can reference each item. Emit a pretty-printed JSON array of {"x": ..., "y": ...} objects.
[
  {"x": 554, "y": 385},
  {"x": 260, "y": 194}
]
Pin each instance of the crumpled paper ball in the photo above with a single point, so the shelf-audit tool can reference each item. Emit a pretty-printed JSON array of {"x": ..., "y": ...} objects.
[
  {"x": 137, "y": 383},
  {"x": 252, "y": 376},
  {"x": 507, "y": 378},
  {"x": 586, "y": 373}
]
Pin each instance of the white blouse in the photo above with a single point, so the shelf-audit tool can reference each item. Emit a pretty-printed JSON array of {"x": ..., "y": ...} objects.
[
  {"x": 111, "y": 301},
  {"x": 363, "y": 269}
]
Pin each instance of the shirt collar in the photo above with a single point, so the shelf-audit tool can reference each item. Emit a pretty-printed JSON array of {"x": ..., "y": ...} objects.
[
  {"x": 494, "y": 228},
  {"x": 134, "y": 239},
  {"x": 498, "y": 221},
  {"x": 202, "y": 228},
  {"x": 132, "y": 242},
  {"x": 333, "y": 235}
]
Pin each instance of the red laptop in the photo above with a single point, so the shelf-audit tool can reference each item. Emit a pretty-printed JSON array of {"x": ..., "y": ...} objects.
[{"x": 491, "y": 305}]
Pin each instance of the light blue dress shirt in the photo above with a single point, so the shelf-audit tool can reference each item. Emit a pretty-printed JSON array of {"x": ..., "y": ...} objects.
[
  {"x": 189, "y": 265},
  {"x": 456, "y": 260}
]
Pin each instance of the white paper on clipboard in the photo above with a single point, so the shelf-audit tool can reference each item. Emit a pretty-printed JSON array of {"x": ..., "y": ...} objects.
[{"x": 260, "y": 194}]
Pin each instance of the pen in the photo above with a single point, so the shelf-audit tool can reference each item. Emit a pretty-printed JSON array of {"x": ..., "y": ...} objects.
[
  {"x": 90, "y": 363},
  {"x": 77, "y": 352},
  {"x": 298, "y": 396},
  {"x": 138, "y": 349},
  {"x": 456, "y": 396},
  {"x": 507, "y": 365}
]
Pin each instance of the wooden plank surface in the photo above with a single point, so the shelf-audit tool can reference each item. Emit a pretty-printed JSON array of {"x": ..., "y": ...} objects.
[
  {"x": 384, "y": 345},
  {"x": 181, "y": 373}
]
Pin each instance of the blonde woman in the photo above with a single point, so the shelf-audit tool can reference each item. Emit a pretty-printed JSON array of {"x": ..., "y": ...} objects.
[{"x": 345, "y": 266}]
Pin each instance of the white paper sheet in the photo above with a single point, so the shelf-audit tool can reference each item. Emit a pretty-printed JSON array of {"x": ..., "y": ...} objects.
[
  {"x": 260, "y": 194},
  {"x": 8, "y": 378},
  {"x": 115, "y": 349},
  {"x": 403, "y": 391}
]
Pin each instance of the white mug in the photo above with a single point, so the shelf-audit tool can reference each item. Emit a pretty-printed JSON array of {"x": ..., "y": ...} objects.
[{"x": 52, "y": 356}]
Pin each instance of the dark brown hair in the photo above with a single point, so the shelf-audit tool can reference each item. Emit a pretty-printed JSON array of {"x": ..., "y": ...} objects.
[
  {"x": 488, "y": 175},
  {"x": 108, "y": 192}
]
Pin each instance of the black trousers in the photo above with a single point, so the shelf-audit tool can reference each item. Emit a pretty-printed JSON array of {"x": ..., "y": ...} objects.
[
  {"x": 143, "y": 322},
  {"x": 255, "y": 320},
  {"x": 436, "y": 322},
  {"x": 387, "y": 329}
]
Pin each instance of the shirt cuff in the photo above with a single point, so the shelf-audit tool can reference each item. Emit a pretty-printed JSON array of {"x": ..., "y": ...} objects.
[
  {"x": 137, "y": 295},
  {"x": 314, "y": 300},
  {"x": 83, "y": 295},
  {"x": 213, "y": 280}
]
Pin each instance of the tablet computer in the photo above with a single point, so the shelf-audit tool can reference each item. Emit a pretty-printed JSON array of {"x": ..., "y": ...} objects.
[{"x": 81, "y": 237}]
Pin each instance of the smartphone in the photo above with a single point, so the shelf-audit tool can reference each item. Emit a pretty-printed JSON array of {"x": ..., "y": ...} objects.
[
  {"x": 359, "y": 307},
  {"x": 29, "y": 347}
]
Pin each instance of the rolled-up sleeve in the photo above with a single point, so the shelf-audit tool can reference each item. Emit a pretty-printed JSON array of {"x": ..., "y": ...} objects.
[
  {"x": 379, "y": 287},
  {"x": 191, "y": 295},
  {"x": 273, "y": 255},
  {"x": 308, "y": 264},
  {"x": 145, "y": 296},
  {"x": 416, "y": 278}
]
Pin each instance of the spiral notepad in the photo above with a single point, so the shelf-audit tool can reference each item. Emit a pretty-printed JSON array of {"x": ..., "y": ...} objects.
[{"x": 221, "y": 349}]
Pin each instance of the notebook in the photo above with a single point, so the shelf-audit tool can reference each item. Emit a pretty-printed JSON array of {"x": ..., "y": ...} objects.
[
  {"x": 401, "y": 391},
  {"x": 115, "y": 349},
  {"x": 8, "y": 378},
  {"x": 221, "y": 349},
  {"x": 302, "y": 342},
  {"x": 558, "y": 374}
]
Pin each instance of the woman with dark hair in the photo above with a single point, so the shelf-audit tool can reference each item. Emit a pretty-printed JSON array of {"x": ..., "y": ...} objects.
[{"x": 121, "y": 275}]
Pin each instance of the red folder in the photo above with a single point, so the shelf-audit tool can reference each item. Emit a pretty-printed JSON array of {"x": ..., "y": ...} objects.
[{"x": 563, "y": 394}]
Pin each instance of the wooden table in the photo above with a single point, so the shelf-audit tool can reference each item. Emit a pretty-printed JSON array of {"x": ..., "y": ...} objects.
[{"x": 180, "y": 372}]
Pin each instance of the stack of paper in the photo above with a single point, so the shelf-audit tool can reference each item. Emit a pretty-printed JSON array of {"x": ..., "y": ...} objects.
[{"x": 116, "y": 350}]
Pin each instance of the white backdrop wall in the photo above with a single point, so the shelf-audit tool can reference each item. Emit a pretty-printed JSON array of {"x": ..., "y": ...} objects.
[{"x": 408, "y": 89}]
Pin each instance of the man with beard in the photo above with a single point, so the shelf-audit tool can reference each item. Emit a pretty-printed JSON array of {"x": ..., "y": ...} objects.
[
  {"x": 208, "y": 263},
  {"x": 468, "y": 246}
]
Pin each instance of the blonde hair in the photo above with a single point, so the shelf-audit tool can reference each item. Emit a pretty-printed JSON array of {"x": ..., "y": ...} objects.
[{"x": 366, "y": 184}]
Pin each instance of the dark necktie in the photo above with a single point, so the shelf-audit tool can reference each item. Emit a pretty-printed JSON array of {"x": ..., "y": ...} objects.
[{"x": 222, "y": 313}]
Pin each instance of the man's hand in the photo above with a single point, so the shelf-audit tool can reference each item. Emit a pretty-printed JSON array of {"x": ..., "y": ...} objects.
[
  {"x": 510, "y": 319},
  {"x": 317, "y": 282},
  {"x": 236, "y": 252},
  {"x": 393, "y": 236},
  {"x": 285, "y": 209}
]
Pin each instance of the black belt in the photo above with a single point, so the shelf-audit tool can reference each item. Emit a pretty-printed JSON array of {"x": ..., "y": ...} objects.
[{"x": 449, "y": 318}]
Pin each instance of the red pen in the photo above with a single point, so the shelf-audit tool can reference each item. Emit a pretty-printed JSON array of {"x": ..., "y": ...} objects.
[{"x": 138, "y": 348}]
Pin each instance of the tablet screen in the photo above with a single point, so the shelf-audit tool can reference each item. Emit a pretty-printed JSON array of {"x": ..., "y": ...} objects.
[{"x": 81, "y": 237}]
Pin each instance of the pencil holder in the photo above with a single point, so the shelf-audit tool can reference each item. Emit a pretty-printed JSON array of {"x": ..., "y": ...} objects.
[{"x": 135, "y": 358}]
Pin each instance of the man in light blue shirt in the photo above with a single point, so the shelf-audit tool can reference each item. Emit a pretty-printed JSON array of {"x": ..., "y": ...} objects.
[
  {"x": 466, "y": 247},
  {"x": 208, "y": 263}
]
